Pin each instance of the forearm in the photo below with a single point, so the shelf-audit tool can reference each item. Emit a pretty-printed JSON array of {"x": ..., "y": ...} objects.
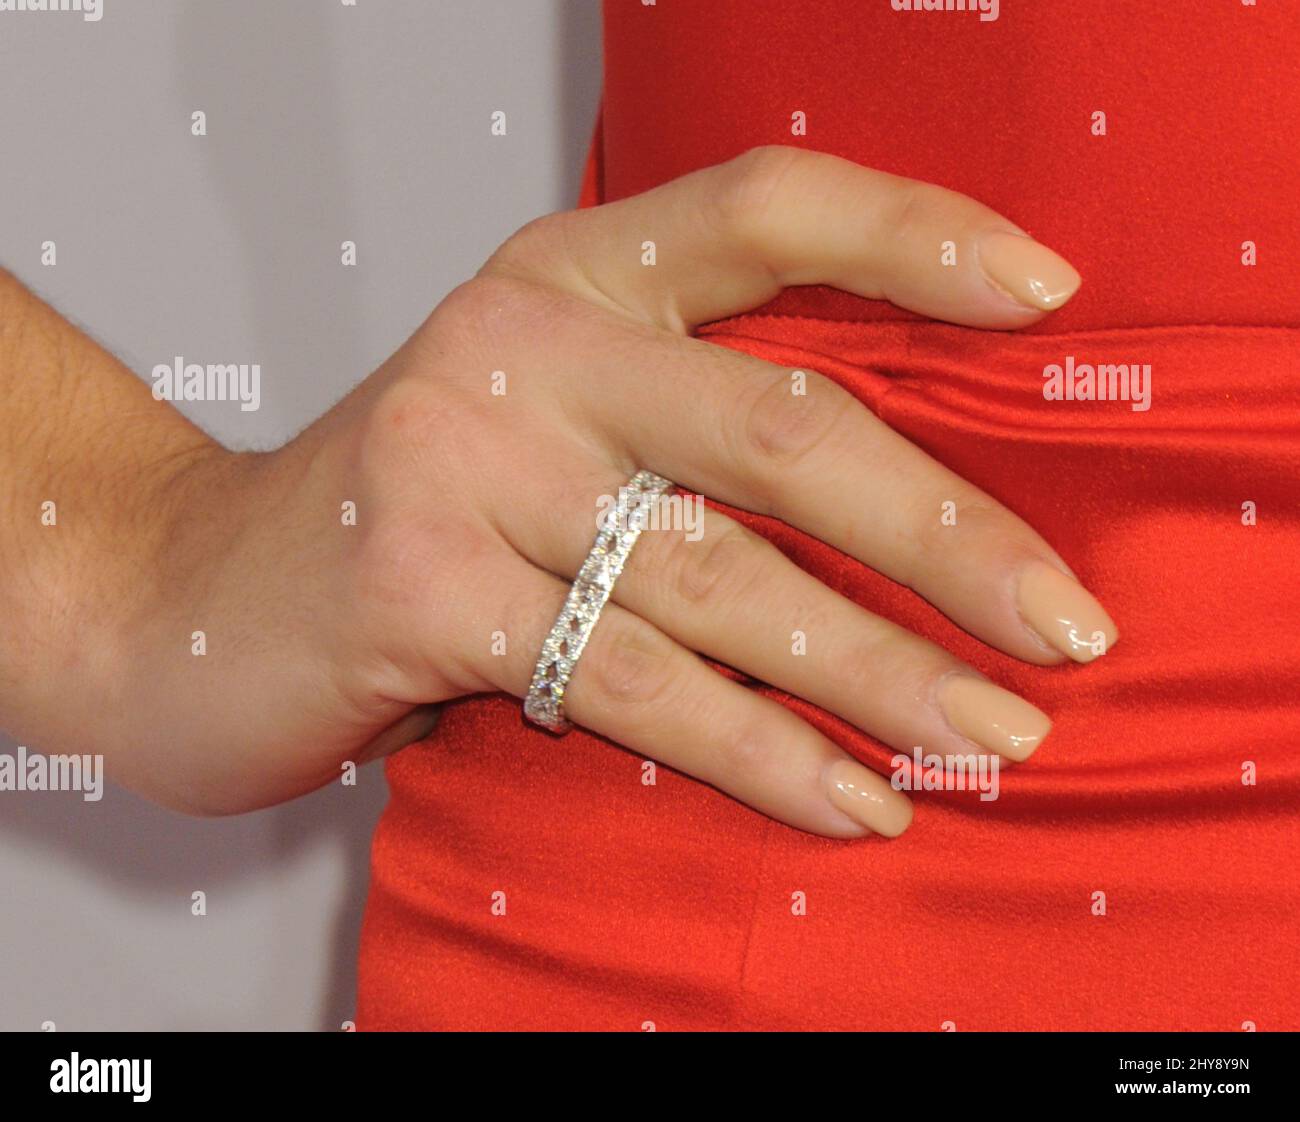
[{"x": 91, "y": 463}]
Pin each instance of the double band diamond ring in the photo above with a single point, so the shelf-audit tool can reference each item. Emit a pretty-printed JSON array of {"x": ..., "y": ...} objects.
[{"x": 591, "y": 590}]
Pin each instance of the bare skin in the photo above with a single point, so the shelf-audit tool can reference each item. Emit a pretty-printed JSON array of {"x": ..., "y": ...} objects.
[{"x": 328, "y": 642}]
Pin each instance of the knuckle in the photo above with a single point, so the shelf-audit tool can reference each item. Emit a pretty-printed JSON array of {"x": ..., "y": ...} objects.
[
  {"x": 926, "y": 539},
  {"x": 531, "y": 248},
  {"x": 933, "y": 545},
  {"x": 487, "y": 307},
  {"x": 504, "y": 318},
  {"x": 715, "y": 570},
  {"x": 420, "y": 422},
  {"x": 743, "y": 748},
  {"x": 866, "y": 656},
  {"x": 628, "y": 663},
  {"x": 896, "y": 665},
  {"x": 750, "y": 184},
  {"x": 781, "y": 428},
  {"x": 916, "y": 207},
  {"x": 473, "y": 300}
]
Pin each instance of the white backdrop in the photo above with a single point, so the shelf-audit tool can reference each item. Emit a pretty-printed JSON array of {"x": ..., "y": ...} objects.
[{"x": 326, "y": 122}]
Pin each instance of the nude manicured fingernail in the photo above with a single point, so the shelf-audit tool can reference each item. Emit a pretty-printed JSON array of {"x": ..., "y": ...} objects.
[
  {"x": 1064, "y": 614},
  {"x": 995, "y": 719},
  {"x": 867, "y": 798},
  {"x": 1030, "y": 273}
]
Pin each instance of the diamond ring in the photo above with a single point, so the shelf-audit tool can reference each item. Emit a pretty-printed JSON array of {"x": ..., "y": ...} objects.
[{"x": 591, "y": 590}]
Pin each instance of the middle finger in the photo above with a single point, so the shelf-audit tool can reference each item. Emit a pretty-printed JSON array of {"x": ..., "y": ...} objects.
[{"x": 802, "y": 449}]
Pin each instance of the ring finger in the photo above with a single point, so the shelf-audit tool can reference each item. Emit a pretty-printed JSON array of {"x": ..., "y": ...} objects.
[
  {"x": 645, "y": 691},
  {"x": 720, "y": 589}
]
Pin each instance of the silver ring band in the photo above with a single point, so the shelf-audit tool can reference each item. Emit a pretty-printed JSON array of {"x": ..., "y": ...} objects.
[{"x": 591, "y": 590}]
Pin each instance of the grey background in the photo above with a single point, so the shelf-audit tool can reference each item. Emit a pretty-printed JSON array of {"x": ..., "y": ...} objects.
[{"x": 325, "y": 123}]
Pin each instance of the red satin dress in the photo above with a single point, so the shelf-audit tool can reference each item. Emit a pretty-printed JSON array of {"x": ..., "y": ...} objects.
[{"x": 1171, "y": 782}]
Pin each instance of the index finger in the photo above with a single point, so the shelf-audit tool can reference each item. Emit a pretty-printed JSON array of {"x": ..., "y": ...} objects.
[{"x": 728, "y": 238}]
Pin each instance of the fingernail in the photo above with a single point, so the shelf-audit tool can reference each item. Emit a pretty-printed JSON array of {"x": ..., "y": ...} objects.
[
  {"x": 867, "y": 798},
  {"x": 1028, "y": 272},
  {"x": 1064, "y": 614},
  {"x": 995, "y": 719}
]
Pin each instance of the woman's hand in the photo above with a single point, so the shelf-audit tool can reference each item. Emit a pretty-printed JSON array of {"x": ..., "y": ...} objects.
[{"x": 476, "y": 457}]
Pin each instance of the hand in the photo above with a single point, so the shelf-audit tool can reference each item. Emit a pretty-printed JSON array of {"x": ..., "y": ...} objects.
[{"x": 328, "y": 642}]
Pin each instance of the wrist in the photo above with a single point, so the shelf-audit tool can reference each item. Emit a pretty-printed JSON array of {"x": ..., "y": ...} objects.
[{"x": 95, "y": 563}]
